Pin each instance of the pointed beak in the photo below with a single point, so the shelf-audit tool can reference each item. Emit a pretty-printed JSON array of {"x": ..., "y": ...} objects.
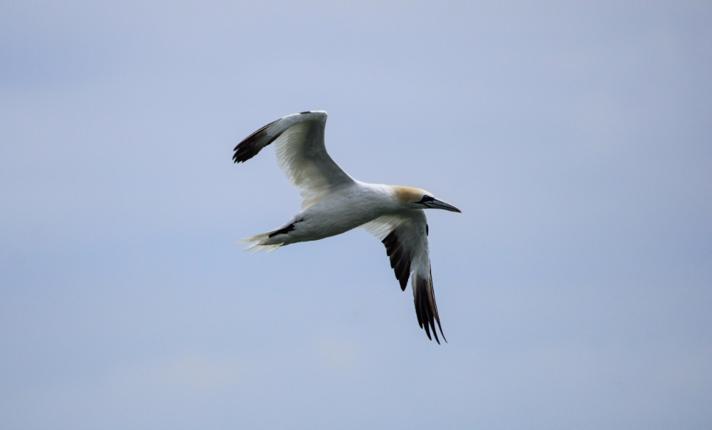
[{"x": 437, "y": 204}]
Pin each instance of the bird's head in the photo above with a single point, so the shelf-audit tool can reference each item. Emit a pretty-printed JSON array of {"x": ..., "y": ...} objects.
[{"x": 417, "y": 198}]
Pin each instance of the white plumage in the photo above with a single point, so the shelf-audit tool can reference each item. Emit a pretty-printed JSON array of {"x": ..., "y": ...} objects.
[{"x": 334, "y": 202}]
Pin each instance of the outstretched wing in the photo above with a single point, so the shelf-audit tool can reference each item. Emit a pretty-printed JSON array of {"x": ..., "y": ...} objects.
[
  {"x": 299, "y": 139},
  {"x": 406, "y": 239}
]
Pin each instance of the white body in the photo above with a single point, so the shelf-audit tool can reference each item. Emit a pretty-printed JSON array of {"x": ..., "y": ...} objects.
[{"x": 340, "y": 210}]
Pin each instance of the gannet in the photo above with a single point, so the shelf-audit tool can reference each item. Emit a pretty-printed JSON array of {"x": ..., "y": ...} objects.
[{"x": 333, "y": 202}]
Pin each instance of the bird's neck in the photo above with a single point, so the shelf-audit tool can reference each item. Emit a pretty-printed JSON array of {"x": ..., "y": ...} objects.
[{"x": 391, "y": 197}]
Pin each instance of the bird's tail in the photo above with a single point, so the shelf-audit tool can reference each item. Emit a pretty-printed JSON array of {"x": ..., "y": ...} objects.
[{"x": 261, "y": 242}]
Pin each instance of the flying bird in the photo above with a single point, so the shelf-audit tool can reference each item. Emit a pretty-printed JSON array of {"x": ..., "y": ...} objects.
[{"x": 333, "y": 202}]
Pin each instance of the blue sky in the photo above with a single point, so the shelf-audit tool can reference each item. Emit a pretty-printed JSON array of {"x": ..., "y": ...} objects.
[{"x": 575, "y": 289}]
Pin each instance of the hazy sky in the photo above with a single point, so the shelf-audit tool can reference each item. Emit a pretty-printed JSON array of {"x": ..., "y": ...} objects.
[{"x": 575, "y": 289}]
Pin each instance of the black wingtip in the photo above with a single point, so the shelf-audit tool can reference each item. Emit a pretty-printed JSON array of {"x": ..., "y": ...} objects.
[
  {"x": 248, "y": 148},
  {"x": 252, "y": 144},
  {"x": 426, "y": 309}
]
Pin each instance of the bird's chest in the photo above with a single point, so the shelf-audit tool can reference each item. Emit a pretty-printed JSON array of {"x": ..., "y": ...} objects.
[{"x": 341, "y": 213}]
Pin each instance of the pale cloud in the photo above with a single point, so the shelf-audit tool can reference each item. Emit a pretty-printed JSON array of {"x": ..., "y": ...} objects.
[{"x": 338, "y": 354}]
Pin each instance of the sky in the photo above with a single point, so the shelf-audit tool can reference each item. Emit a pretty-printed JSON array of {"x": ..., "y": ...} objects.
[{"x": 575, "y": 289}]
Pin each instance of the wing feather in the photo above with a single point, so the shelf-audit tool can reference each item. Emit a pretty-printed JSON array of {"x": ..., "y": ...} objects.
[
  {"x": 406, "y": 239},
  {"x": 301, "y": 153}
]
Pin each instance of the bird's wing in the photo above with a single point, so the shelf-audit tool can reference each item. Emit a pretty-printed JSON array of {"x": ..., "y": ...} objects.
[
  {"x": 406, "y": 239},
  {"x": 299, "y": 139}
]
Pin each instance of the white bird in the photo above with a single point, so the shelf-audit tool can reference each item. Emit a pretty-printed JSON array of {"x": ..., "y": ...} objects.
[{"x": 334, "y": 202}]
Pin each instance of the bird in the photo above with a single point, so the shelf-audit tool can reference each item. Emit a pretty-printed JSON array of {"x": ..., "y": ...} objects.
[{"x": 333, "y": 202}]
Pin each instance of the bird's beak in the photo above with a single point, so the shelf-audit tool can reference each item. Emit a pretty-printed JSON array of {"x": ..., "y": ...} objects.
[{"x": 437, "y": 204}]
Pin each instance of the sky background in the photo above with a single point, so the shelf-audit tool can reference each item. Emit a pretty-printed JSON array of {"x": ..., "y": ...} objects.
[{"x": 575, "y": 289}]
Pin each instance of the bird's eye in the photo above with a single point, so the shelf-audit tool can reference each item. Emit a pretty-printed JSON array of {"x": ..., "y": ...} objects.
[{"x": 426, "y": 198}]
